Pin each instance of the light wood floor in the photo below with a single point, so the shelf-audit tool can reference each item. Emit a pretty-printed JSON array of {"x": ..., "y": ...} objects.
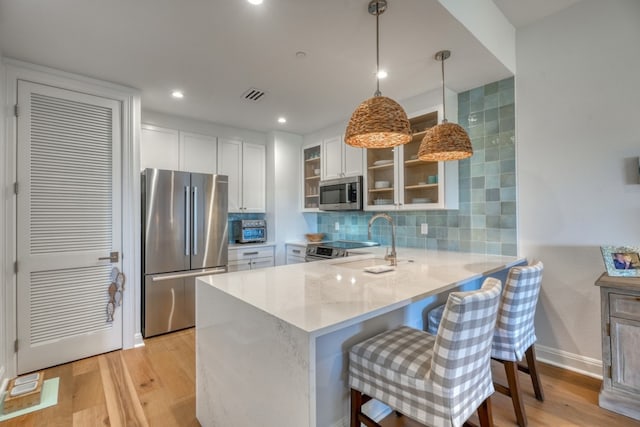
[{"x": 154, "y": 386}]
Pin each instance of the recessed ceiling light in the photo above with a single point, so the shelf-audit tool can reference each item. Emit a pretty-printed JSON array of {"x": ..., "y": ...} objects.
[
  {"x": 255, "y": 1},
  {"x": 177, "y": 94},
  {"x": 382, "y": 74},
  {"x": 282, "y": 120}
]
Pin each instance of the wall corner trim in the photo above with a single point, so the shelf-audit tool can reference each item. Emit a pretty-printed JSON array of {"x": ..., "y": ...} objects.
[{"x": 137, "y": 340}]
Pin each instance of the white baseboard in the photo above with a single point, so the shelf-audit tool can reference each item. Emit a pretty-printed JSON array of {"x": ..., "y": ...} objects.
[
  {"x": 137, "y": 340},
  {"x": 570, "y": 361}
]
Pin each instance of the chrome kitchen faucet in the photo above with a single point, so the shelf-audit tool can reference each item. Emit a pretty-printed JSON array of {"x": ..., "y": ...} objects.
[{"x": 392, "y": 257}]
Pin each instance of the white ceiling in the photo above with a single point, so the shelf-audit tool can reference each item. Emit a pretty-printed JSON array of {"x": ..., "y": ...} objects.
[{"x": 215, "y": 50}]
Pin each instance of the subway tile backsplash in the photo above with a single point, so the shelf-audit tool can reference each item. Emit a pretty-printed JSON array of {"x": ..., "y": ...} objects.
[{"x": 486, "y": 220}]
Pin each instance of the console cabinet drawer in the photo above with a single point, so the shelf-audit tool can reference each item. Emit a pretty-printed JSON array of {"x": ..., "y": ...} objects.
[{"x": 625, "y": 306}]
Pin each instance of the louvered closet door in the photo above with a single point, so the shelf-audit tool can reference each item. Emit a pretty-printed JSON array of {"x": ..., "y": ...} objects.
[{"x": 68, "y": 216}]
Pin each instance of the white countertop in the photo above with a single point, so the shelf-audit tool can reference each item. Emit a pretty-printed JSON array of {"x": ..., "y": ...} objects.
[
  {"x": 323, "y": 296},
  {"x": 250, "y": 245}
]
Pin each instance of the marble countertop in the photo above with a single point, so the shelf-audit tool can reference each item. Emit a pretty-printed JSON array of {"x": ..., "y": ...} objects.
[{"x": 323, "y": 296}]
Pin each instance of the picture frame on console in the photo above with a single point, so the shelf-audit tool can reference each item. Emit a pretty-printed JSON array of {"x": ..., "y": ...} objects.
[{"x": 623, "y": 261}]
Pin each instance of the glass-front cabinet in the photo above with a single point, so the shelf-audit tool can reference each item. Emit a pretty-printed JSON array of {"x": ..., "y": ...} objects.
[
  {"x": 396, "y": 179},
  {"x": 311, "y": 177}
]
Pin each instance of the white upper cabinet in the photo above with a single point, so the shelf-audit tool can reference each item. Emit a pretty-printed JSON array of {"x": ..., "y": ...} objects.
[
  {"x": 174, "y": 149},
  {"x": 198, "y": 153},
  {"x": 230, "y": 164},
  {"x": 353, "y": 158},
  {"x": 245, "y": 165},
  {"x": 397, "y": 180},
  {"x": 339, "y": 159},
  {"x": 253, "y": 178},
  {"x": 159, "y": 148}
]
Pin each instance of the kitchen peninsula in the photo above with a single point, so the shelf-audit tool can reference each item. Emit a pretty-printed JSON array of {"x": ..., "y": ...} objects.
[{"x": 272, "y": 344}]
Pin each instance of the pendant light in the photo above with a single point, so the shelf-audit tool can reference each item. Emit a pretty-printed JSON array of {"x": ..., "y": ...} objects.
[
  {"x": 446, "y": 141},
  {"x": 378, "y": 122}
]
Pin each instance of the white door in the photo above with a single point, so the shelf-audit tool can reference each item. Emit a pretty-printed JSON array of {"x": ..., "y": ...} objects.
[
  {"x": 68, "y": 216},
  {"x": 253, "y": 178}
]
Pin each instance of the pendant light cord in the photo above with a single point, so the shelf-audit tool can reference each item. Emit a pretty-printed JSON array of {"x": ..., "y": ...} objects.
[
  {"x": 444, "y": 108},
  {"x": 378, "y": 93}
]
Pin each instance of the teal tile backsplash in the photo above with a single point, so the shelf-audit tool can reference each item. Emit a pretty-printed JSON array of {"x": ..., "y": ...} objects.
[{"x": 486, "y": 219}]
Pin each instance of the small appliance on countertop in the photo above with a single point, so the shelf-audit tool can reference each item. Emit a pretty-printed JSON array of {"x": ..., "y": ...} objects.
[
  {"x": 249, "y": 231},
  {"x": 334, "y": 249}
]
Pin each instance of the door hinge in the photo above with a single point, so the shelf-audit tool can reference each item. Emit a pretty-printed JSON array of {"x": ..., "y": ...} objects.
[
  {"x": 16, "y": 110},
  {"x": 610, "y": 372},
  {"x": 15, "y": 346},
  {"x": 15, "y": 267},
  {"x": 608, "y": 329},
  {"x": 15, "y": 188}
]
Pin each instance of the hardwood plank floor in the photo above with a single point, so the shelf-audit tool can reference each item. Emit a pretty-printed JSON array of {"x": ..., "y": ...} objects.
[{"x": 155, "y": 386}]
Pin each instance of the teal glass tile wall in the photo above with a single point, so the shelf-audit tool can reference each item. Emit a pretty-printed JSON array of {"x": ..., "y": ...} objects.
[{"x": 486, "y": 220}]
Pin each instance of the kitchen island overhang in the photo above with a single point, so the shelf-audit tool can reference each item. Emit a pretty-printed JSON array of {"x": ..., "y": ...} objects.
[{"x": 272, "y": 344}]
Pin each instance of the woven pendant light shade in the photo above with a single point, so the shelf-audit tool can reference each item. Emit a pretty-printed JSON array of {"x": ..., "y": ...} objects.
[
  {"x": 446, "y": 141},
  {"x": 378, "y": 122}
]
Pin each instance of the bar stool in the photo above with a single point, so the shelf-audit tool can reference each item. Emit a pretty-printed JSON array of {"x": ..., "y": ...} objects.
[
  {"x": 436, "y": 380},
  {"x": 515, "y": 333}
]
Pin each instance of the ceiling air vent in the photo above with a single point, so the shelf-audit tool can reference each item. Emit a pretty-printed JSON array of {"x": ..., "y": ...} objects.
[{"x": 254, "y": 95}]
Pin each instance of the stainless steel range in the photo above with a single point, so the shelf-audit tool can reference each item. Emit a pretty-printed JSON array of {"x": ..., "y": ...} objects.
[{"x": 334, "y": 249}]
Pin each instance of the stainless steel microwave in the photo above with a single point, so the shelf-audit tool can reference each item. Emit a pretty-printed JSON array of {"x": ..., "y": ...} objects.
[{"x": 342, "y": 194}]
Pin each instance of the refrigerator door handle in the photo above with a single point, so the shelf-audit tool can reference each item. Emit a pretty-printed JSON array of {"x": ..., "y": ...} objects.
[
  {"x": 195, "y": 220},
  {"x": 187, "y": 220},
  {"x": 160, "y": 278}
]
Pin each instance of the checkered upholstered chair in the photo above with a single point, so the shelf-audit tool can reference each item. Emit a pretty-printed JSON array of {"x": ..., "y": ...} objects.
[
  {"x": 436, "y": 380},
  {"x": 515, "y": 333}
]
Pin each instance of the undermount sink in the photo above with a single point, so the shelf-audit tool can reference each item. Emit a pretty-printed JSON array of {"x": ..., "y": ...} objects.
[{"x": 364, "y": 263}]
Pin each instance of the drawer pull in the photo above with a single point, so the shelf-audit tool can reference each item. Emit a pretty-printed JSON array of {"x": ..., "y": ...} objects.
[
  {"x": 295, "y": 251},
  {"x": 249, "y": 253}
]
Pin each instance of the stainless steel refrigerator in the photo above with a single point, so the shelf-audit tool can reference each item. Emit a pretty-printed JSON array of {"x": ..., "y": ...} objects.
[{"x": 185, "y": 235}]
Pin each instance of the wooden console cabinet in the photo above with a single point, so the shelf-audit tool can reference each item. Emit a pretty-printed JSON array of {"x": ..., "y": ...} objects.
[{"x": 620, "y": 301}]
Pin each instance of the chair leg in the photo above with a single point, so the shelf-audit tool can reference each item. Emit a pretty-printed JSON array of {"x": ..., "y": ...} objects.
[
  {"x": 356, "y": 407},
  {"x": 511, "y": 369},
  {"x": 533, "y": 372},
  {"x": 484, "y": 413}
]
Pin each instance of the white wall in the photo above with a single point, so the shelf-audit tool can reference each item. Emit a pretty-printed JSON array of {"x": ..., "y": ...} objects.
[
  {"x": 6, "y": 193},
  {"x": 577, "y": 100},
  {"x": 489, "y": 25},
  {"x": 285, "y": 191}
]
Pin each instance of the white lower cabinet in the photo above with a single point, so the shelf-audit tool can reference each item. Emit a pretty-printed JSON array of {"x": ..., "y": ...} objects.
[
  {"x": 250, "y": 258},
  {"x": 295, "y": 253}
]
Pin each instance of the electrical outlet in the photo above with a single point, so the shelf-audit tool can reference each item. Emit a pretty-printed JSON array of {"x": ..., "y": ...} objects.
[
  {"x": 337, "y": 226},
  {"x": 424, "y": 229}
]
